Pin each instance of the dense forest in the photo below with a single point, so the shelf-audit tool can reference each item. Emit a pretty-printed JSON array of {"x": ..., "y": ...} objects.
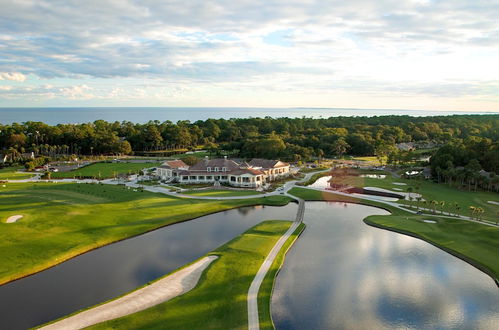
[{"x": 467, "y": 136}]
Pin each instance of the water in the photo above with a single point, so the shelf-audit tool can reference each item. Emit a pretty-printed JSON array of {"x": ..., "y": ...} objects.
[
  {"x": 55, "y": 116},
  {"x": 110, "y": 271},
  {"x": 344, "y": 274}
]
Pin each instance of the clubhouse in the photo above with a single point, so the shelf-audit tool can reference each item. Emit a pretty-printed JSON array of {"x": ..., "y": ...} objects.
[{"x": 252, "y": 174}]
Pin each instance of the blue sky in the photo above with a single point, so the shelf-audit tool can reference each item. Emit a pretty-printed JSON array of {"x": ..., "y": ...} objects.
[{"x": 414, "y": 54}]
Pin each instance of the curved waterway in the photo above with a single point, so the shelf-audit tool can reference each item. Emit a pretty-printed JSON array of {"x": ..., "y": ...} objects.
[
  {"x": 344, "y": 274},
  {"x": 115, "y": 269}
]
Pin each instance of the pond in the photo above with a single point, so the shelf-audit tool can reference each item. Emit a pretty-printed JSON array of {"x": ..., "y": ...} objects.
[
  {"x": 112, "y": 270},
  {"x": 344, "y": 274}
]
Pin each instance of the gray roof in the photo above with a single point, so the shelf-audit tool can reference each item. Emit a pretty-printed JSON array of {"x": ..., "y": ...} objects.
[
  {"x": 219, "y": 162},
  {"x": 267, "y": 163}
]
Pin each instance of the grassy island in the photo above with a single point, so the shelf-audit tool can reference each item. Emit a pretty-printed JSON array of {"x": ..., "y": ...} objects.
[{"x": 219, "y": 300}]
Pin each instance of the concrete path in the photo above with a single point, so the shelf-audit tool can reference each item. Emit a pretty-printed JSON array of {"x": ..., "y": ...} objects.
[
  {"x": 160, "y": 291},
  {"x": 253, "y": 318}
]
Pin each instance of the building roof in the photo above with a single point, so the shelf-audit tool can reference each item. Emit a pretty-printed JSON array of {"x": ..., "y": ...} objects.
[
  {"x": 202, "y": 165},
  {"x": 174, "y": 164},
  {"x": 267, "y": 163}
]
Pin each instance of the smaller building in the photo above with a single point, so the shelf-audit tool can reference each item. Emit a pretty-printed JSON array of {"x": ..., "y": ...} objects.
[{"x": 170, "y": 169}]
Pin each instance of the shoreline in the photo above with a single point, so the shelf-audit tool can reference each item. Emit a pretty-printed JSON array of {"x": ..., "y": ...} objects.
[
  {"x": 481, "y": 267},
  {"x": 169, "y": 286},
  {"x": 48, "y": 265}
]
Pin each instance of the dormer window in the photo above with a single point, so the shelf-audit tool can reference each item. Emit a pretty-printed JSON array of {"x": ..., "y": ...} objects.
[
  {"x": 224, "y": 169},
  {"x": 216, "y": 169},
  {"x": 208, "y": 169}
]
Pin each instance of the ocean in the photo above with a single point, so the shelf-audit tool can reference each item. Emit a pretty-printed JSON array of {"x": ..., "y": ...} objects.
[{"x": 55, "y": 116}]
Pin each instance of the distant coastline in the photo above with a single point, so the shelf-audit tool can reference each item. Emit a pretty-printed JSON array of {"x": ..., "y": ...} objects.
[{"x": 61, "y": 115}]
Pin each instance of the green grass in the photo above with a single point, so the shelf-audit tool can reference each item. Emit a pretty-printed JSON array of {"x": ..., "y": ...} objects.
[
  {"x": 10, "y": 173},
  {"x": 472, "y": 242},
  {"x": 62, "y": 220},
  {"x": 104, "y": 170},
  {"x": 265, "y": 293},
  {"x": 371, "y": 159},
  {"x": 221, "y": 193},
  {"x": 308, "y": 170},
  {"x": 219, "y": 299},
  {"x": 441, "y": 192}
]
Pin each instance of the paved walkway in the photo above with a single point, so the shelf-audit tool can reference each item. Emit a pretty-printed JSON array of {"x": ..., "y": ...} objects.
[{"x": 160, "y": 291}]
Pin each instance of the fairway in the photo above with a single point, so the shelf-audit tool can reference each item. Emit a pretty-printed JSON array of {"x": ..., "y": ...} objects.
[
  {"x": 472, "y": 242},
  {"x": 221, "y": 192},
  {"x": 62, "y": 220},
  {"x": 10, "y": 173},
  {"x": 219, "y": 300},
  {"x": 104, "y": 170}
]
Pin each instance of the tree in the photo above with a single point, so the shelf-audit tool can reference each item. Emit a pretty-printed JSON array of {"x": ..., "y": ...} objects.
[
  {"x": 124, "y": 148},
  {"x": 340, "y": 146}
]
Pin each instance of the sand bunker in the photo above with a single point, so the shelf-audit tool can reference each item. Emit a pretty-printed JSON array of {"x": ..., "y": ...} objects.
[
  {"x": 492, "y": 202},
  {"x": 429, "y": 221},
  {"x": 158, "y": 292},
  {"x": 400, "y": 183},
  {"x": 13, "y": 218}
]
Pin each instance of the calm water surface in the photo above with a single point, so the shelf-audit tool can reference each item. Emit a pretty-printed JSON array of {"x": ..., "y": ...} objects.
[
  {"x": 344, "y": 274},
  {"x": 110, "y": 271}
]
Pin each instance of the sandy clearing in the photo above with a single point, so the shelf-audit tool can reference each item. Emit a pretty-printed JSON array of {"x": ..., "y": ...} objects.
[
  {"x": 429, "y": 221},
  {"x": 400, "y": 183},
  {"x": 14, "y": 218},
  {"x": 493, "y": 202},
  {"x": 160, "y": 291}
]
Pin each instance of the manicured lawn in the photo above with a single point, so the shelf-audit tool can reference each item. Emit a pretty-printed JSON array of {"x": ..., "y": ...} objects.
[
  {"x": 221, "y": 193},
  {"x": 265, "y": 293},
  {"x": 10, "y": 173},
  {"x": 104, "y": 170},
  {"x": 442, "y": 192},
  {"x": 371, "y": 159},
  {"x": 219, "y": 299},
  {"x": 62, "y": 220},
  {"x": 475, "y": 243}
]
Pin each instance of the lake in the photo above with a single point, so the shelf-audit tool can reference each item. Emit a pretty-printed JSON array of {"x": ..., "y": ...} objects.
[
  {"x": 112, "y": 270},
  {"x": 344, "y": 274},
  {"x": 55, "y": 116}
]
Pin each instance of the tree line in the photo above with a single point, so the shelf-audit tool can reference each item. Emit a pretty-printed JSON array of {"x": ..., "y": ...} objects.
[{"x": 291, "y": 139}]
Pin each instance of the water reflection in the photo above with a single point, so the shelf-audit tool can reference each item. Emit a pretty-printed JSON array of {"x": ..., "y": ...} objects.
[
  {"x": 344, "y": 274},
  {"x": 115, "y": 269}
]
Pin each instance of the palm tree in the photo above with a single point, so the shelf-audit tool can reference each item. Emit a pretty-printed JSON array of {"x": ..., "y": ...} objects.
[
  {"x": 419, "y": 198},
  {"x": 434, "y": 204},
  {"x": 442, "y": 204},
  {"x": 473, "y": 210}
]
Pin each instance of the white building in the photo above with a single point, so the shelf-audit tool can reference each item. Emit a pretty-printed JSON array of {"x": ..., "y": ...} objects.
[{"x": 249, "y": 175}]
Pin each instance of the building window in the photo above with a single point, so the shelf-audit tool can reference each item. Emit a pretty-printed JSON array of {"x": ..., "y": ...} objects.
[
  {"x": 201, "y": 177},
  {"x": 208, "y": 169},
  {"x": 185, "y": 178},
  {"x": 216, "y": 169},
  {"x": 224, "y": 177},
  {"x": 245, "y": 179},
  {"x": 257, "y": 178},
  {"x": 233, "y": 178},
  {"x": 192, "y": 178},
  {"x": 209, "y": 177},
  {"x": 224, "y": 169}
]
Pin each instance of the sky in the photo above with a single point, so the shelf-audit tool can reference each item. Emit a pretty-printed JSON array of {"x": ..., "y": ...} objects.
[{"x": 387, "y": 54}]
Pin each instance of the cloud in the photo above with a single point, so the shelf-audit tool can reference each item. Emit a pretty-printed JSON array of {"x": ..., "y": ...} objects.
[
  {"x": 249, "y": 43},
  {"x": 14, "y": 76}
]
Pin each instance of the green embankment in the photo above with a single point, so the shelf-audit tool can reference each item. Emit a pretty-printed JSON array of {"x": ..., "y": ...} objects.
[
  {"x": 221, "y": 193},
  {"x": 62, "y": 220},
  {"x": 473, "y": 242},
  {"x": 219, "y": 301},
  {"x": 104, "y": 170},
  {"x": 10, "y": 173},
  {"x": 266, "y": 289}
]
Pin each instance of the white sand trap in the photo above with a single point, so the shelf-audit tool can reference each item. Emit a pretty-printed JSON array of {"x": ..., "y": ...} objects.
[
  {"x": 400, "y": 183},
  {"x": 160, "y": 291},
  {"x": 429, "y": 221},
  {"x": 492, "y": 202},
  {"x": 14, "y": 218}
]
